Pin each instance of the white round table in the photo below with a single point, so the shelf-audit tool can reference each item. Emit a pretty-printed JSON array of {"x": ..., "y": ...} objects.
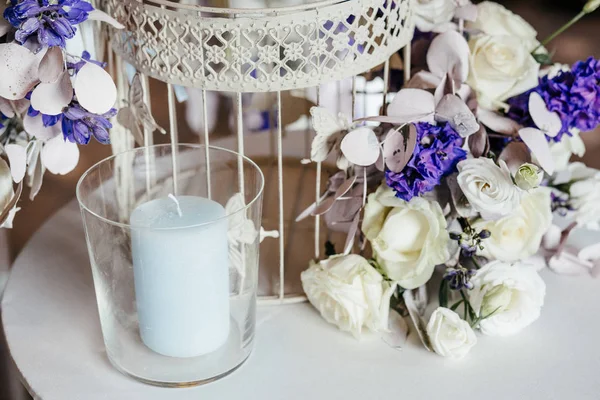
[{"x": 51, "y": 324}]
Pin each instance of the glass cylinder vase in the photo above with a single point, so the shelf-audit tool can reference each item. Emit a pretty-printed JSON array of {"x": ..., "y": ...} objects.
[{"x": 173, "y": 238}]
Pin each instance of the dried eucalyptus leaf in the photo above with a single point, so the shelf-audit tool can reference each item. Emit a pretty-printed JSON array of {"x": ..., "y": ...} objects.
[
  {"x": 417, "y": 319},
  {"x": 36, "y": 180},
  {"x": 479, "y": 142},
  {"x": 11, "y": 204},
  {"x": 398, "y": 148},
  {"x": 459, "y": 201},
  {"x": 345, "y": 187},
  {"x": 397, "y": 334},
  {"x": 52, "y": 65},
  {"x": 323, "y": 207},
  {"x": 514, "y": 155},
  {"x": 351, "y": 234},
  {"x": 453, "y": 110}
]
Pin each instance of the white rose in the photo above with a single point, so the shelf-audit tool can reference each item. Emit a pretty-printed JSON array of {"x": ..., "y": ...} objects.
[
  {"x": 494, "y": 19},
  {"x": 488, "y": 187},
  {"x": 501, "y": 67},
  {"x": 349, "y": 293},
  {"x": 518, "y": 235},
  {"x": 433, "y": 15},
  {"x": 408, "y": 238},
  {"x": 450, "y": 335},
  {"x": 585, "y": 195},
  {"x": 564, "y": 150},
  {"x": 509, "y": 295}
]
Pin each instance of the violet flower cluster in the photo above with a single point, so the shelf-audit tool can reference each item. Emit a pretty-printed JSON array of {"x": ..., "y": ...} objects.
[
  {"x": 51, "y": 22},
  {"x": 436, "y": 154},
  {"x": 79, "y": 125},
  {"x": 574, "y": 95}
]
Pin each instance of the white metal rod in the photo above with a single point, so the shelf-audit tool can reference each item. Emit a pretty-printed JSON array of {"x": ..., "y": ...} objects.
[
  {"x": 148, "y": 138},
  {"x": 318, "y": 196},
  {"x": 174, "y": 136},
  {"x": 206, "y": 144},
  {"x": 386, "y": 84},
  {"x": 407, "y": 62},
  {"x": 353, "y": 97},
  {"x": 240, "y": 140},
  {"x": 280, "y": 185}
]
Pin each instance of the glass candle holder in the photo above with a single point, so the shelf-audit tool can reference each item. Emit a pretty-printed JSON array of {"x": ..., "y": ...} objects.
[{"x": 173, "y": 238}]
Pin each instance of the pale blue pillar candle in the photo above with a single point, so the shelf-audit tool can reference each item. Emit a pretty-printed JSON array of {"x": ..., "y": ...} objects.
[{"x": 181, "y": 273}]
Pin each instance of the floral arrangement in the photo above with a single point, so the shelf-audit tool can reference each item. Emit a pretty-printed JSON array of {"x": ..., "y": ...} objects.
[
  {"x": 466, "y": 172},
  {"x": 53, "y": 95}
]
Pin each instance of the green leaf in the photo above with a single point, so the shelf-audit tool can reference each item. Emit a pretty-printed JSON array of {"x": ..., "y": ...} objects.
[
  {"x": 443, "y": 293},
  {"x": 543, "y": 58},
  {"x": 456, "y": 305}
]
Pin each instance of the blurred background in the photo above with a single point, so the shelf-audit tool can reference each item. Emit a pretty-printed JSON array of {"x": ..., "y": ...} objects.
[{"x": 577, "y": 43}]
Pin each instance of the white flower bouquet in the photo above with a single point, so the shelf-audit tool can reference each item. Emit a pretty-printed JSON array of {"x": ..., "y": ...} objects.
[{"x": 462, "y": 173}]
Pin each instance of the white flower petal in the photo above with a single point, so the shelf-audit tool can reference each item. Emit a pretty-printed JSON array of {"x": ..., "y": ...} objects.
[
  {"x": 35, "y": 127},
  {"x": 52, "y": 98},
  {"x": 19, "y": 71},
  {"x": 95, "y": 89},
  {"x": 17, "y": 157},
  {"x": 59, "y": 156}
]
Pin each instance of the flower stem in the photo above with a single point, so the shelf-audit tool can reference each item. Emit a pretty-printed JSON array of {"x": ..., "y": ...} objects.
[
  {"x": 560, "y": 30},
  {"x": 477, "y": 265}
]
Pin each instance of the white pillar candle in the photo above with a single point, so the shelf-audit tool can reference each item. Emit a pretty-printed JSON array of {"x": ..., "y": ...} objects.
[{"x": 181, "y": 273}]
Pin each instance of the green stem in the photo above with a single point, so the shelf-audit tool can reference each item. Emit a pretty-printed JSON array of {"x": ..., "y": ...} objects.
[
  {"x": 560, "y": 30},
  {"x": 477, "y": 265}
]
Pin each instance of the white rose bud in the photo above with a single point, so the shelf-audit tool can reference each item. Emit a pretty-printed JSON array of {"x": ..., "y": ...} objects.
[
  {"x": 518, "y": 235},
  {"x": 501, "y": 67},
  {"x": 529, "y": 176},
  {"x": 591, "y": 6},
  {"x": 509, "y": 296},
  {"x": 488, "y": 187},
  {"x": 349, "y": 293},
  {"x": 450, "y": 335},
  {"x": 408, "y": 238}
]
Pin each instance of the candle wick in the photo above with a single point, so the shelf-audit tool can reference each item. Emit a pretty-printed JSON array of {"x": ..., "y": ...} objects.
[{"x": 176, "y": 203}]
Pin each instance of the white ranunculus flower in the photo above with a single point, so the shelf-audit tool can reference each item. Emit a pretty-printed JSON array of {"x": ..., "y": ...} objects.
[
  {"x": 501, "y": 67},
  {"x": 518, "y": 235},
  {"x": 450, "y": 335},
  {"x": 488, "y": 187},
  {"x": 349, "y": 293},
  {"x": 564, "y": 150},
  {"x": 585, "y": 195},
  {"x": 494, "y": 19},
  {"x": 408, "y": 238},
  {"x": 511, "y": 295},
  {"x": 433, "y": 15},
  {"x": 528, "y": 176}
]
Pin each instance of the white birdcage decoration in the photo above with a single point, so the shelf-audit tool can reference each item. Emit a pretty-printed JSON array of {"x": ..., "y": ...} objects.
[{"x": 269, "y": 57}]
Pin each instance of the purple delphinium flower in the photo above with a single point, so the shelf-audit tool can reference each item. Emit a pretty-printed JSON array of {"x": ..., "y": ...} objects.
[
  {"x": 574, "y": 95},
  {"x": 51, "y": 21},
  {"x": 436, "y": 154},
  {"x": 85, "y": 58},
  {"x": 79, "y": 125},
  {"x": 459, "y": 278}
]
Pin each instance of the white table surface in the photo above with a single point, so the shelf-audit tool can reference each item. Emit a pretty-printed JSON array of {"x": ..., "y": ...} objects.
[{"x": 52, "y": 327}]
